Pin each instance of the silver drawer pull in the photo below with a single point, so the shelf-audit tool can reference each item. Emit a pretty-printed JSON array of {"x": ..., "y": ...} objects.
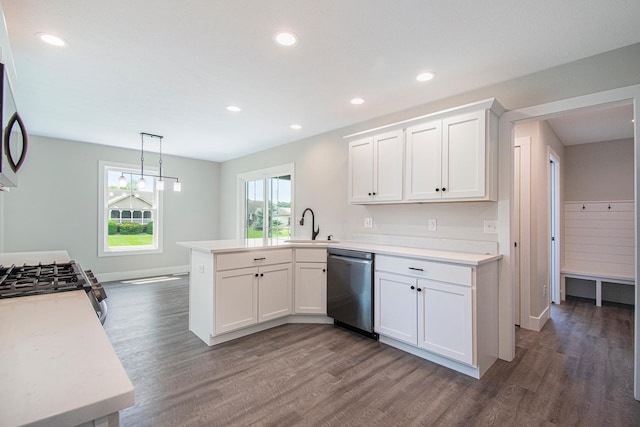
[
  {"x": 259, "y": 259},
  {"x": 416, "y": 269}
]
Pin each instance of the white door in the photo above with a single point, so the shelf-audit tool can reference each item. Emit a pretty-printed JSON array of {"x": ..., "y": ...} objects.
[
  {"x": 236, "y": 299},
  {"x": 522, "y": 225},
  {"x": 395, "y": 311},
  {"x": 445, "y": 322},
  {"x": 554, "y": 213},
  {"x": 274, "y": 292},
  {"x": 361, "y": 170},
  {"x": 311, "y": 288},
  {"x": 424, "y": 161},
  {"x": 388, "y": 166},
  {"x": 463, "y": 156}
]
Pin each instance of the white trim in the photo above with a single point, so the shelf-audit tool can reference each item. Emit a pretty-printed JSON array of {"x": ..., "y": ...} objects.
[
  {"x": 624, "y": 95},
  {"x": 537, "y": 322},
  {"x": 137, "y": 274},
  {"x": 485, "y": 104},
  {"x": 103, "y": 250},
  {"x": 554, "y": 264}
]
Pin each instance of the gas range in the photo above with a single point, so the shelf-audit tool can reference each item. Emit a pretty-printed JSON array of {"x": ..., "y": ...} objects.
[{"x": 38, "y": 279}]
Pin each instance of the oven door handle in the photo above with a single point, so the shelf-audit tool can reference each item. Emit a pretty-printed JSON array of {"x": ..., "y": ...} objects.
[{"x": 103, "y": 311}]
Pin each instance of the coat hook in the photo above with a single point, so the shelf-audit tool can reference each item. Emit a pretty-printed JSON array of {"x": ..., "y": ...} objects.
[
  {"x": 609, "y": 206},
  {"x": 583, "y": 207}
]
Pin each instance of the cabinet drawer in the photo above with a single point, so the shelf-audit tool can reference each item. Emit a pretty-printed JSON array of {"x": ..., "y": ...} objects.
[
  {"x": 311, "y": 255},
  {"x": 427, "y": 269},
  {"x": 252, "y": 259}
]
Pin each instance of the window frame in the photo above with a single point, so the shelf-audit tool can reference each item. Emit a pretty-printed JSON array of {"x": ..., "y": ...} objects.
[
  {"x": 271, "y": 172},
  {"x": 104, "y": 213}
]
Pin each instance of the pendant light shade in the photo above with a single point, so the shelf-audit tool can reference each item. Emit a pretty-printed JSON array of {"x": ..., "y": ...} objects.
[
  {"x": 160, "y": 185},
  {"x": 177, "y": 186},
  {"x": 142, "y": 183},
  {"x": 122, "y": 181}
]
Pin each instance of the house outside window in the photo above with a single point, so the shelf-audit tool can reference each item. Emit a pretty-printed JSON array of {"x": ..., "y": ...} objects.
[
  {"x": 130, "y": 217},
  {"x": 266, "y": 203}
]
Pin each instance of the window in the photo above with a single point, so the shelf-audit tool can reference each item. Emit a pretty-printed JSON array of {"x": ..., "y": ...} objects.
[
  {"x": 266, "y": 203},
  {"x": 130, "y": 218}
]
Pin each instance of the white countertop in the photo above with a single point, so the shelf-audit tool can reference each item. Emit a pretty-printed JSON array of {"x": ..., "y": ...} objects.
[
  {"x": 223, "y": 246},
  {"x": 57, "y": 365},
  {"x": 45, "y": 257}
]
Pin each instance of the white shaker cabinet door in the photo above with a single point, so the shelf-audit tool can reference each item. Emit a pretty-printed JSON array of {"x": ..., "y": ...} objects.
[
  {"x": 388, "y": 167},
  {"x": 274, "y": 291},
  {"x": 361, "y": 170},
  {"x": 236, "y": 299},
  {"x": 395, "y": 307},
  {"x": 311, "y": 288},
  {"x": 424, "y": 161},
  {"x": 464, "y": 156},
  {"x": 445, "y": 322}
]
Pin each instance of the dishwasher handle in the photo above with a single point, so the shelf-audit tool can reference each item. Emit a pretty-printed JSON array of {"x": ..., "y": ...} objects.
[{"x": 349, "y": 259}]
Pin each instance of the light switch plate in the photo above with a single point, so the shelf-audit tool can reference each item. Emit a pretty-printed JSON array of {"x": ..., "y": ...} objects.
[
  {"x": 368, "y": 223},
  {"x": 433, "y": 225},
  {"x": 491, "y": 227}
]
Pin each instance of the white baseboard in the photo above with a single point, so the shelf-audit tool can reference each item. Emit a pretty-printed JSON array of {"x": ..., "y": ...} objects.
[
  {"x": 138, "y": 274},
  {"x": 537, "y": 322}
]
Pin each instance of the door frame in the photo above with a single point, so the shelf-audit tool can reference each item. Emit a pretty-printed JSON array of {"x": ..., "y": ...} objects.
[
  {"x": 624, "y": 95},
  {"x": 554, "y": 225},
  {"x": 522, "y": 235}
]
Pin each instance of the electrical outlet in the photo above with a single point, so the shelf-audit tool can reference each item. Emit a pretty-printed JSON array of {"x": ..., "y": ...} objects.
[
  {"x": 433, "y": 225},
  {"x": 368, "y": 223},
  {"x": 491, "y": 227},
  {"x": 201, "y": 268}
]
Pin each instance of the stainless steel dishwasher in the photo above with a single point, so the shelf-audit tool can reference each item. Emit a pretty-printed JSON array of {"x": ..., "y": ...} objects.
[{"x": 350, "y": 290}]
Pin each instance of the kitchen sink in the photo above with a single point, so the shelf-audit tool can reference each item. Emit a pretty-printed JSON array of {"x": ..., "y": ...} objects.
[{"x": 311, "y": 241}]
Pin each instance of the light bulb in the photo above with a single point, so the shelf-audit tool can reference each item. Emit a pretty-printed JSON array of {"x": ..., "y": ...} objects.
[
  {"x": 142, "y": 183},
  {"x": 160, "y": 185},
  {"x": 177, "y": 186},
  {"x": 122, "y": 181}
]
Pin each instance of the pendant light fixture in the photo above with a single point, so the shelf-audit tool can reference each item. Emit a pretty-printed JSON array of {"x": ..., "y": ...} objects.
[{"x": 142, "y": 183}]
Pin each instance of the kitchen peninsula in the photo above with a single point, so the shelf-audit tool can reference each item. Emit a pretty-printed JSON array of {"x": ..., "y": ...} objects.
[{"x": 439, "y": 305}]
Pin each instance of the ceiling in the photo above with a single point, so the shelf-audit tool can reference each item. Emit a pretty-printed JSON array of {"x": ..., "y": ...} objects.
[{"x": 172, "y": 68}]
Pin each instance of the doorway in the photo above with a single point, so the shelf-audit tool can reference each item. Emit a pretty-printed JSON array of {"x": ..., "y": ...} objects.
[{"x": 625, "y": 95}]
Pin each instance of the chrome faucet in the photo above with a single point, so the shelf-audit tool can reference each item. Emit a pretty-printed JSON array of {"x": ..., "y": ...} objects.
[{"x": 314, "y": 232}]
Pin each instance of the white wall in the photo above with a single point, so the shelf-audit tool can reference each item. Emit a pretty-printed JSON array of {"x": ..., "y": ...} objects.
[
  {"x": 321, "y": 161},
  {"x": 601, "y": 171},
  {"x": 56, "y": 205},
  {"x": 542, "y": 137}
]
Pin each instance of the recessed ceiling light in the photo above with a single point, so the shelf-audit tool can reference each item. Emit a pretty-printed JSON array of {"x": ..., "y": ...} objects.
[
  {"x": 426, "y": 76},
  {"x": 52, "y": 39},
  {"x": 234, "y": 108},
  {"x": 357, "y": 101},
  {"x": 285, "y": 38},
  {"x": 295, "y": 126}
]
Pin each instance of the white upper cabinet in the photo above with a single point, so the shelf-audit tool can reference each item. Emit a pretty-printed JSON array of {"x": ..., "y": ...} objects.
[
  {"x": 450, "y": 156},
  {"x": 424, "y": 161},
  {"x": 447, "y": 159},
  {"x": 376, "y": 168}
]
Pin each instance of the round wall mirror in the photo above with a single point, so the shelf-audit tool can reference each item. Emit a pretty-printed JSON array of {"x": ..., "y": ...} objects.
[{"x": 15, "y": 142}]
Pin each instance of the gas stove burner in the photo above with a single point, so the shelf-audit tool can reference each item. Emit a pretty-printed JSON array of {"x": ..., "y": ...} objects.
[
  {"x": 26, "y": 280},
  {"x": 40, "y": 279}
]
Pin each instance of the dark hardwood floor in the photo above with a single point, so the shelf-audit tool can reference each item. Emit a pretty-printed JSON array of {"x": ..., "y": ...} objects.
[{"x": 577, "y": 371}]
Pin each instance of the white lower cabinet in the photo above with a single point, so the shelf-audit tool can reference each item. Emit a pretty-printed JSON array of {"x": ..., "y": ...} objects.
[
  {"x": 445, "y": 320},
  {"x": 454, "y": 324},
  {"x": 275, "y": 287},
  {"x": 310, "y": 292},
  {"x": 246, "y": 296},
  {"x": 395, "y": 308}
]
